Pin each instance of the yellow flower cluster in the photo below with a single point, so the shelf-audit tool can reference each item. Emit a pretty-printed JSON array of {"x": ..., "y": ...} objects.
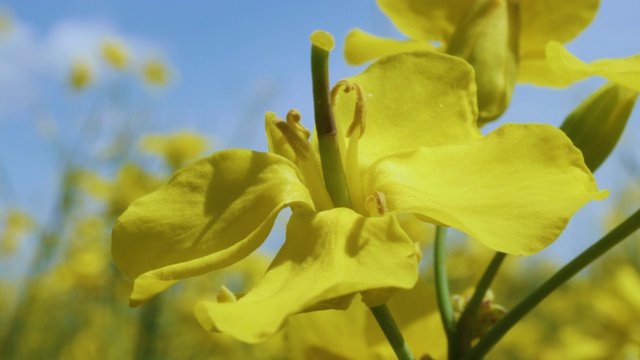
[{"x": 153, "y": 70}]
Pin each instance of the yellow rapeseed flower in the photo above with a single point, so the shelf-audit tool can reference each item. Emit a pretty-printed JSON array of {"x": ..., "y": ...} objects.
[
  {"x": 412, "y": 146},
  {"x": 115, "y": 53},
  {"x": 155, "y": 72},
  {"x": 176, "y": 149},
  {"x": 81, "y": 75},
  {"x": 16, "y": 224}
]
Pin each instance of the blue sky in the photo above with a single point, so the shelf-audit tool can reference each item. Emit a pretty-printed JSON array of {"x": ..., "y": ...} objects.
[{"x": 232, "y": 61}]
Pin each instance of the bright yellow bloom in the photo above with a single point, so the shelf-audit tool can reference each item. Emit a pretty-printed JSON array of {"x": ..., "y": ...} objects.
[
  {"x": 502, "y": 39},
  {"x": 155, "y": 72},
  {"x": 81, "y": 75},
  {"x": 513, "y": 190},
  {"x": 130, "y": 183},
  {"x": 176, "y": 149},
  {"x": 115, "y": 53}
]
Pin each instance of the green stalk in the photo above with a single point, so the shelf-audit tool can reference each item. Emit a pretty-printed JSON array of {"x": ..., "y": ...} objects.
[
  {"x": 460, "y": 342},
  {"x": 391, "y": 331},
  {"x": 442, "y": 286},
  {"x": 332, "y": 168},
  {"x": 333, "y": 171},
  {"x": 603, "y": 245}
]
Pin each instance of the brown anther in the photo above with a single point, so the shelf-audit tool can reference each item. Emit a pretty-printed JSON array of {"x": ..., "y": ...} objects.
[
  {"x": 376, "y": 203},
  {"x": 360, "y": 112},
  {"x": 293, "y": 119},
  {"x": 299, "y": 145}
]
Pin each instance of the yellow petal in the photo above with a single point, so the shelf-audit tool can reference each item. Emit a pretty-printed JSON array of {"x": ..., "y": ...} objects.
[
  {"x": 360, "y": 47},
  {"x": 327, "y": 258},
  {"x": 515, "y": 190},
  {"x": 211, "y": 214},
  {"x": 425, "y": 19},
  {"x": 413, "y": 100},
  {"x": 535, "y": 69},
  {"x": 625, "y": 71},
  {"x": 551, "y": 20}
]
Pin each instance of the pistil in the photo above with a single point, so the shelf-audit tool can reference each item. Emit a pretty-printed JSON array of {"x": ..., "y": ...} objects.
[{"x": 332, "y": 167}]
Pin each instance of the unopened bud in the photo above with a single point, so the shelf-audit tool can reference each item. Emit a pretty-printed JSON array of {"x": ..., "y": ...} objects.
[
  {"x": 488, "y": 39},
  {"x": 595, "y": 125}
]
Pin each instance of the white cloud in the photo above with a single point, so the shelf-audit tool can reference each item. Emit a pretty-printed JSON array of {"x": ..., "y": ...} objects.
[
  {"x": 27, "y": 60},
  {"x": 20, "y": 66}
]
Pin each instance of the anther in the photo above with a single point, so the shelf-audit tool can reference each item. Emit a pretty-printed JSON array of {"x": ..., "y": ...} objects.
[
  {"x": 376, "y": 203},
  {"x": 360, "y": 112},
  {"x": 293, "y": 119},
  {"x": 299, "y": 145}
]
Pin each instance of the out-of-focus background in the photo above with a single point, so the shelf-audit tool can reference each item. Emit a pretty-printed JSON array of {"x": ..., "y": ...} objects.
[{"x": 100, "y": 101}]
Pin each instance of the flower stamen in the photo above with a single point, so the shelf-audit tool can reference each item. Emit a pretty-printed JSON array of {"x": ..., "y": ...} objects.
[
  {"x": 376, "y": 204},
  {"x": 293, "y": 119},
  {"x": 356, "y": 127},
  {"x": 359, "y": 114},
  {"x": 294, "y": 133}
]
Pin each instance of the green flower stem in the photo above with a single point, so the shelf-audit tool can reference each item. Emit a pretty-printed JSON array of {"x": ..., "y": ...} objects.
[
  {"x": 603, "y": 245},
  {"x": 149, "y": 317},
  {"x": 332, "y": 168},
  {"x": 461, "y": 340},
  {"x": 442, "y": 287},
  {"x": 391, "y": 331}
]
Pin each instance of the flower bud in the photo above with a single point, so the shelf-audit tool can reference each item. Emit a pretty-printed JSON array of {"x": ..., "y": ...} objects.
[
  {"x": 595, "y": 125},
  {"x": 488, "y": 39}
]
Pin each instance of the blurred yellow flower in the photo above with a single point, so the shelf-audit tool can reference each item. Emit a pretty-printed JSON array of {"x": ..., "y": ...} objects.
[
  {"x": 155, "y": 72},
  {"x": 81, "y": 75},
  {"x": 115, "y": 53},
  {"x": 6, "y": 22},
  {"x": 16, "y": 224},
  {"x": 130, "y": 183},
  {"x": 176, "y": 149},
  {"x": 86, "y": 262}
]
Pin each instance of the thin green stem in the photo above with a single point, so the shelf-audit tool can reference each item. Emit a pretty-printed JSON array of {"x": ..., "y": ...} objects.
[
  {"x": 461, "y": 341},
  {"x": 442, "y": 286},
  {"x": 603, "y": 245},
  {"x": 332, "y": 168},
  {"x": 390, "y": 329}
]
